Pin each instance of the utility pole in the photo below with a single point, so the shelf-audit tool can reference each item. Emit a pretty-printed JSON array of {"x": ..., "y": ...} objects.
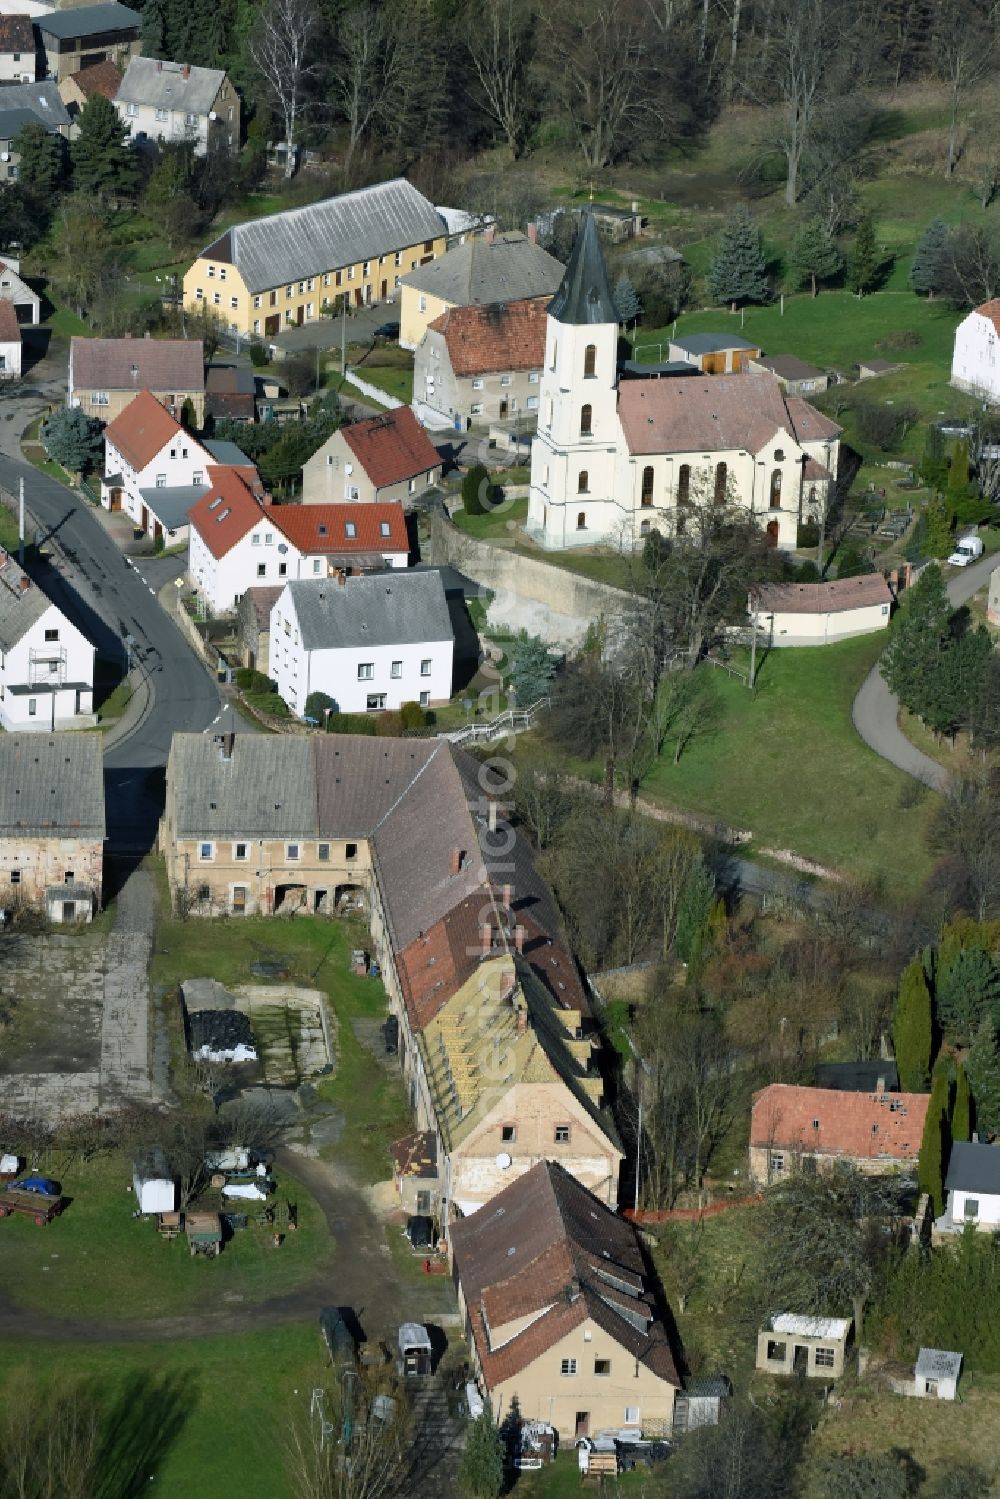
[
  {"x": 753, "y": 645},
  {"x": 822, "y": 539},
  {"x": 20, "y": 521},
  {"x": 343, "y": 340},
  {"x": 638, "y": 1151}
]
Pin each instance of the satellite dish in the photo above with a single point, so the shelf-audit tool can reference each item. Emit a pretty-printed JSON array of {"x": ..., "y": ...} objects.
[{"x": 503, "y": 1160}]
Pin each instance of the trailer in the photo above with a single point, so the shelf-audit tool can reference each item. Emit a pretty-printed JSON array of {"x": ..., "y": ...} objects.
[
  {"x": 154, "y": 1187},
  {"x": 35, "y": 1197}
]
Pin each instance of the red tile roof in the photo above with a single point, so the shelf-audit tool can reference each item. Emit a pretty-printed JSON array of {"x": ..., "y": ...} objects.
[
  {"x": 485, "y": 340},
  {"x": 709, "y": 415},
  {"x": 824, "y": 598},
  {"x": 825, "y": 1121},
  {"x": 10, "y": 328},
  {"x": 229, "y": 509},
  {"x": 323, "y": 528},
  {"x": 391, "y": 448},
  {"x": 100, "y": 78},
  {"x": 142, "y": 430},
  {"x": 16, "y": 35}
]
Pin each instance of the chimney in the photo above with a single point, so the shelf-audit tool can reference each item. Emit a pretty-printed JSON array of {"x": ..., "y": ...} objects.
[
  {"x": 186, "y": 73},
  {"x": 491, "y": 817},
  {"x": 486, "y": 939},
  {"x": 533, "y": 233},
  {"x": 456, "y": 861},
  {"x": 522, "y": 1020},
  {"x": 519, "y": 939},
  {"x": 24, "y": 583},
  {"x": 508, "y": 897},
  {"x": 490, "y": 234},
  {"x": 880, "y": 1087}
]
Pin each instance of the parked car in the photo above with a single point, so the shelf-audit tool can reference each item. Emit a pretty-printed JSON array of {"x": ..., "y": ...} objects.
[
  {"x": 387, "y": 330},
  {"x": 966, "y": 551}
]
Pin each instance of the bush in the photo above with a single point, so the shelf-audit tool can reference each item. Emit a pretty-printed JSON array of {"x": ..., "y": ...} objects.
[
  {"x": 883, "y": 426},
  {"x": 478, "y": 493},
  {"x": 389, "y": 725},
  {"x": 350, "y": 723},
  {"x": 412, "y": 716},
  {"x": 318, "y": 703},
  {"x": 248, "y": 680},
  {"x": 808, "y": 534},
  {"x": 270, "y": 702},
  {"x": 903, "y": 338},
  {"x": 258, "y": 356}
]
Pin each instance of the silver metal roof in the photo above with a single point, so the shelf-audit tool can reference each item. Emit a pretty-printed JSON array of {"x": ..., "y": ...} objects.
[
  {"x": 481, "y": 272},
  {"x": 41, "y": 98},
  {"x": 51, "y": 785},
  {"x": 162, "y": 85},
  {"x": 388, "y": 608},
  {"x": 336, "y": 232}
]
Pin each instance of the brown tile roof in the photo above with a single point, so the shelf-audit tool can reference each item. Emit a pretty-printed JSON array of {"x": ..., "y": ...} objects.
[
  {"x": 359, "y": 780},
  {"x": 229, "y": 509},
  {"x": 862, "y": 1126},
  {"x": 546, "y": 1245},
  {"x": 741, "y": 413},
  {"x": 812, "y": 469},
  {"x": 164, "y": 364},
  {"x": 323, "y": 528},
  {"x": 262, "y": 601},
  {"x": 392, "y": 447},
  {"x": 824, "y": 598},
  {"x": 486, "y": 340},
  {"x": 100, "y": 78},
  {"x": 10, "y": 328},
  {"x": 17, "y": 35},
  {"x": 142, "y": 430},
  {"x": 990, "y": 310}
]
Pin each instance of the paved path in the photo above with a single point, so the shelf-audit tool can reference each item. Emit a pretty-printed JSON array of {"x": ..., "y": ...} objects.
[
  {"x": 125, "y": 1022},
  {"x": 876, "y": 709}
]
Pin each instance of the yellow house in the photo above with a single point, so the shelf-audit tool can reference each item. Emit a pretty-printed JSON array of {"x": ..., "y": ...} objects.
[
  {"x": 485, "y": 270},
  {"x": 553, "y": 1289},
  {"x": 278, "y": 272}
]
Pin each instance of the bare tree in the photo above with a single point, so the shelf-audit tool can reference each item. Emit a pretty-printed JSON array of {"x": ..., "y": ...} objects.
[
  {"x": 351, "y": 1444},
  {"x": 373, "y": 50},
  {"x": 281, "y": 50},
  {"x": 965, "y": 833},
  {"x": 964, "y": 45},
  {"x": 802, "y": 66},
  {"x": 49, "y": 1442},
  {"x": 499, "y": 42}
]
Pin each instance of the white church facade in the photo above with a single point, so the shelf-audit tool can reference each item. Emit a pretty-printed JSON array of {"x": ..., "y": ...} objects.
[{"x": 616, "y": 459}]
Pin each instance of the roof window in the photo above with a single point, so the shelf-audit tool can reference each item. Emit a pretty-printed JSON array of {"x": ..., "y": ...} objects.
[
  {"x": 223, "y": 515},
  {"x": 214, "y": 504}
]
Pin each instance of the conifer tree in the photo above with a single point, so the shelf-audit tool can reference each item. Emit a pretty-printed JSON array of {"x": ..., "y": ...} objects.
[
  {"x": 918, "y": 636},
  {"x": 983, "y": 1067},
  {"x": 738, "y": 272},
  {"x": 911, "y": 1028},
  {"x": 480, "y": 1475},
  {"x": 966, "y": 995},
  {"x": 934, "y": 1145},
  {"x": 934, "y": 464},
  {"x": 693, "y": 910},
  {"x": 864, "y": 261},
  {"x": 928, "y": 268},
  {"x": 961, "y": 1113},
  {"x": 103, "y": 161},
  {"x": 937, "y": 536},
  {"x": 985, "y": 719},
  {"x": 42, "y": 164},
  {"x": 627, "y": 303},
  {"x": 814, "y": 256}
]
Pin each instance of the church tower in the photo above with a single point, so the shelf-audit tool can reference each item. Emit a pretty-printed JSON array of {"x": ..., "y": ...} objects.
[{"x": 573, "y": 453}]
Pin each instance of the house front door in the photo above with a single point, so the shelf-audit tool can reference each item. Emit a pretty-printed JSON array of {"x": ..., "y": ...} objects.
[
  {"x": 503, "y": 410},
  {"x": 271, "y": 325},
  {"x": 116, "y": 499},
  {"x": 583, "y": 1423},
  {"x": 300, "y": 315},
  {"x": 385, "y": 290},
  {"x": 69, "y": 910},
  {"x": 772, "y": 533},
  {"x": 145, "y": 518}
]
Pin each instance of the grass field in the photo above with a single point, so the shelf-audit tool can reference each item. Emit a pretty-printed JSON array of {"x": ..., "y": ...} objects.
[
  {"x": 787, "y": 765},
  {"x": 497, "y": 523},
  {"x": 63, "y": 1268},
  {"x": 195, "y": 1417}
]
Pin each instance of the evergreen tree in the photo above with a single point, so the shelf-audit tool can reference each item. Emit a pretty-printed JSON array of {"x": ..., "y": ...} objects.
[
  {"x": 42, "y": 168},
  {"x": 814, "y": 256},
  {"x": 480, "y": 1474},
  {"x": 531, "y": 668},
  {"x": 961, "y": 1113},
  {"x": 693, "y": 910},
  {"x": 937, "y": 534},
  {"x": 864, "y": 261},
  {"x": 73, "y": 439},
  {"x": 983, "y": 1067},
  {"x": 934, "y": 1145},
  {"x": 627, "y": 303},
  {"x": 852, "y": 561},
  {"x": 103, "y": 161},
  {"x": 985, "y": 720},
  {"x": 966, "y": 994},
  {"x": 911, "y": 1028},
  {"x": 934, "y": 464},
  {"x": 477, "y": 491},
  {"x": 919, "y": 634},
  {"x": 929, "y": 266},
  {"x": 738, "y": 272},
  {"x": 955, "y": 681}
]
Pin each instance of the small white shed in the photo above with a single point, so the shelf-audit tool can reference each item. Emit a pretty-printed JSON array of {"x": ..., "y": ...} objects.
[
  {"x": 154, "y": 1187},
  {"x": 937, "y": 1374}
]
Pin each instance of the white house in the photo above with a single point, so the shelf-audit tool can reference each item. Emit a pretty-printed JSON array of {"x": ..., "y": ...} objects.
[
  {"x": 173, "y": 101},
  {"x": 370, "y": 642},
  {"x": 975, "y": 360},
  {"x": 612, "y": 462},
  {"x": 27, "y": 304},
  {"x": 10, "y": 342},
  {"x": 154, "y": 469},
  {"x": 238, "y": 540},
  {"x": 936, "y": 1374},
  {"x": 820, "y": 613},
  {"x": 973, "y": 1187},
  {"x": 46, "y": 664}
]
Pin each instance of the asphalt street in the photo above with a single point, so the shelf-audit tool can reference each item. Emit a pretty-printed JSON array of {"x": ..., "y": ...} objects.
[{"x": 108, "y": 597}]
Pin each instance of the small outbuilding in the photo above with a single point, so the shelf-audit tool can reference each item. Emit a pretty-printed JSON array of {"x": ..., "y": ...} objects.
[
  {"x": 789, "y": 614},
  {"x": 700, "y": 1402},
  {"x": 936, "y": 1375},
  {"x": 154, "y": 1187},
  {"x": 813, "y": 1346}
]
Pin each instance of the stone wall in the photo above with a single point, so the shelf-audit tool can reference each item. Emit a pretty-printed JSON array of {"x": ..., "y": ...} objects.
[{"x": 529, "y": 594}]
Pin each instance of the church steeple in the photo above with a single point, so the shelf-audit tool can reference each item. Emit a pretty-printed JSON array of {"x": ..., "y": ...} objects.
[{"x": 584, "y": 294}]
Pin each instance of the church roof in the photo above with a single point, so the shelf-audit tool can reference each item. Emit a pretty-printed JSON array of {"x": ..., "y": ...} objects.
[
  {"x": 584, "y": 294},
  {"x": 715, "y": 414}
]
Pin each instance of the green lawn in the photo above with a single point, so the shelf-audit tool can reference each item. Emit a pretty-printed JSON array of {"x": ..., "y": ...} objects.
[
  {"x": 63, "y": 1269},
  {"x": 501, "y": 521},
  {"x": 787, "y": 765},
  {"x": 199, "y": 1416},
  {"x": 394, "y": 381},
  {"x": 114, "y": 705}
]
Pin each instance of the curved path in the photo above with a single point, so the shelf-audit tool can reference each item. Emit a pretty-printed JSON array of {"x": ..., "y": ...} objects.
[
  {"x": 876, "y": 710},
  {"x": 353, "y": 1272}
]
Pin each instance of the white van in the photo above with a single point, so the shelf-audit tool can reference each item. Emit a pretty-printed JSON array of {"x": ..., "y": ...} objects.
[{"x": 966, "y": 551}]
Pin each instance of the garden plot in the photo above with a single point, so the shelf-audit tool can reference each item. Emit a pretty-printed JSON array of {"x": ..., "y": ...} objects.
[
  {"x": 290, "y": 1024},
  {"x": 51, "y": 1005}
]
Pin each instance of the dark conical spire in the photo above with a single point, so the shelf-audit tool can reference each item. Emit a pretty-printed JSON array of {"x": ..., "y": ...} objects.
[{"x": 584, "y": 294}]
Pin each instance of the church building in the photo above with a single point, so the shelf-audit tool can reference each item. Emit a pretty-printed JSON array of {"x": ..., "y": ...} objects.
[{"x": 615, "y": 459}]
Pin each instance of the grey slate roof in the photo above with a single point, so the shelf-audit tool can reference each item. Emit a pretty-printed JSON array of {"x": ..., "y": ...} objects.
[
  {"x": 266, "y": 789},
  {"x": 51, "y": 785},
  {"x": 171, "y": 503},
  {"x": 974, "y": 1167},
  {"x": 42, "y": 99},
  {"x": 481, "y": 272},
  {"x": 228, "y": 453},
  {"x": 19, "y": 609},
  {"x": 88, "y": 20},
  {"x": 584, "y": 295},
  {"x": 13, "y": 121},
  {"x": 390, "y": 608},
  {"x": 711, "y": 343},
  {"x": 359, "y": 780},
  {"x": 167, "y": 364},
  {"x": 162, "y": 85},
  {"x": 857, "y": 1077},
  {"x": 336, "y": 232}
]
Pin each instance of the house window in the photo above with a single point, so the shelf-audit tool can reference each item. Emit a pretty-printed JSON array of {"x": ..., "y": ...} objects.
[
  {"x": 425, "y": 700},
  {"x": 602, "y": 1367},
  {"x": 161, "y": 116},
  {"x": 532, "y": 403},
  {"x": 777, "y": 1160},
  {"x": 292, "y": 852},
  {"x": 262, "y": 569},
  {"x": 647, "y": 484},
  {"x": 256, "y": 302},
  {"x": 567, "y": 1366},
  {"x": 375, "y": 703},
  {"x": 234, "y": 302},
  {"x": 590, "y": 362},
  {"x": 422, "y": 304},
  {"x": 366, "y": 671},
  {"x": 384, "y": 528},
  {"x": 506, "y": 379},
  {"x": 206, "y": 852},
  {"x": 721, "y": 479},
  {"x": 412, "y": 486},
  {"x": 586, "y": 420},
  {"x": 197, "y": 477},
  {"x": 216, "y": 299},
  {"x": 15, "y": 876},
  {"x": 317, "y": 566},
  {"x": 532, "y": 377},
  {"x": 631, "y": 1415},
  {"x": 583, "y": 482},
  {"x": 776, "y": 489},
  {"x": 776, "y": 1352},
  {"x": 396, "y": 669},
  {"x": 161, "y": 481},
  {"x": 239, "y": 851},
  {"x": 581, "y": 521},
  {"x": 350, "y": 850},
  {"x": 32, "y": 707},
  {"x": 561, "y": 1134},
  {"x": 204, "y": 892},
  {"x": 425, "y": 667},
  {"x": 323, "y": 853},
  {"x": 255, "y": 538},
  {"x": 131, "y": 109},
  {"x": 644, "y": 528},
  {"x": 508, "y": 1133},
  {"x": 972, "y": 1207},
  {"x": 52, "y": 634},
  {"x": 824, "y": 1358},
  {"x": 683, "y": 483},
  {"x": 68, "y": 877},
  {"x": 477, "y": 383}
]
